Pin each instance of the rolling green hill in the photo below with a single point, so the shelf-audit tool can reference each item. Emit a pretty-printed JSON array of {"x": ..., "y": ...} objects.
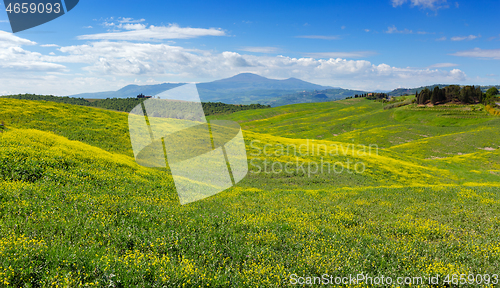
[
  {"x": 127, "y": 104},
  {"x": 75, "y": 208}
]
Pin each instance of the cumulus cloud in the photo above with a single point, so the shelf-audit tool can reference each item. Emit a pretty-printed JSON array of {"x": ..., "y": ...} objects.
[
  {"x": 480, "y": 53},
  {"x": 319, "y": 37},
  {"x": 113, "y": 64},
  {"x": 443, "y": 65},
  {"x": 14, "y": 58},
  {"x": 356, "y": 54},
  {"x": 173, "y": 63},
  {"x": 130, "y": 20},
  {"x": 425, "y": 4},
  {"x": 462, "y": 38},
  {"x": 57, "y": 84},
  {"x": 139, "y": 32},
  {"x": 9, "y": 39},
  {"x": 260, "y": 49},
  {"x": 392, "y": 29},
  {"x": 130, "y": 26}
]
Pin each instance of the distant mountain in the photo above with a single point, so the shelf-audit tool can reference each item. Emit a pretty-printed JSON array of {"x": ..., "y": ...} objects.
[
  {"x": 129, "y": 91},
  {"x": 313, "y": 96},
  {"x": 249, "y": 81},
  {"x": 245, "y": 88},
  {"x": 411, "y": 91}
]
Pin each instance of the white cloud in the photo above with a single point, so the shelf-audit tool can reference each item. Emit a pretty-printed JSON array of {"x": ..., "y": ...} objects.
[
  {"x": 13, "y": 58},
  {"x": 8, "y": 39},
  {"x": 355, "y": 54},
  {"x": 443, "y": 65},
  {"x": 480, "y": 53},
  {"x": 461, "y": 38},
  {"x": 260, "y": 49},
  {"x": 367, "y": 30},
  {"x": 426, "y": 4},
  {"x": 136, "y": 26},
  {"x": 88, "y": 27},
  {"x": 56, "y": 84},
  {"x": 392, "y": 29},
  {"x": 172, "y": 31},
  {"x": 319, "y": 37},
  {"x": 4, "y": 21},
  {"x": 173, "y": 63},
  {"x": 106, "y": 65},
  {"x": 49, "y": 45},
  {"x": 111, "y": 21},
  {"x": 396, "y": 3},
  {"x": 130, "y": 20},
  {"x": 441, "y": 39},
  {"x": 343, "y": 27}
]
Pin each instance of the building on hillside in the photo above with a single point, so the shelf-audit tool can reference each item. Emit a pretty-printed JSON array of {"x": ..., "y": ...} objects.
[
  {"x": 142, "y": 96},
  {"x": 370, "y": 94}
]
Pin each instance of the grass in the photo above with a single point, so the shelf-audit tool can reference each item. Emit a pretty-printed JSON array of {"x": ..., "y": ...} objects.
[
  {"x": 76, "y": 210},
  {"x": 100, "y": 128}
]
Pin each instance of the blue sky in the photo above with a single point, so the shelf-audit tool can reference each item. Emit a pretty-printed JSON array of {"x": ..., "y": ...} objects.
[{"x": 105, "y": 45}]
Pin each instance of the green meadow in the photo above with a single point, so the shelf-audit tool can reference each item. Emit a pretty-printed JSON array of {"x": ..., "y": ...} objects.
[{"x": 77, "y": 210}]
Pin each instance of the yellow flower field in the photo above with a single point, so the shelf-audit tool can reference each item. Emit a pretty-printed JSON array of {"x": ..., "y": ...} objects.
[{"x": 76, "y": 209}]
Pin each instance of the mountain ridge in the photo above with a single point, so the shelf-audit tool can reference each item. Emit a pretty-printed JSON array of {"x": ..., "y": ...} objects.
[
  {"x": 218, "y": 90},
  {"x": 250, "y": 88}
]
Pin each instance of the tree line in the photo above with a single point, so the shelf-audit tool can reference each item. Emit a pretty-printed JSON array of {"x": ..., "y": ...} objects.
[
  {"x": 455, "y": 93},
  {"x": 217, "y": 108},
  {"x": 127, "y": 104},
  {"x": 372, "y": 96}
]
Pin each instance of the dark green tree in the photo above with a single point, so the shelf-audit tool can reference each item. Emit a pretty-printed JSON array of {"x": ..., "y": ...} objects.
[
  {"x": 492, "y": 91},
  {"x": 478, "y": 94},
  {"x": 466, "y": 95},
  {"x": 424, "y": 96},
  {"x": 436, "y": 95}
]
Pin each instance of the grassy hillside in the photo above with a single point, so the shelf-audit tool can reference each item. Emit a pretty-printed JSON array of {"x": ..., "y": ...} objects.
[
  {"x": 365, "y": 122},
  {"x": 75, "y": 208},
  {"x": 127, "y": 104}
]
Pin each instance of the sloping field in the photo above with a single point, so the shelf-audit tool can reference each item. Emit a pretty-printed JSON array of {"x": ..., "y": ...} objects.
[{"x": 75, "y": 208}]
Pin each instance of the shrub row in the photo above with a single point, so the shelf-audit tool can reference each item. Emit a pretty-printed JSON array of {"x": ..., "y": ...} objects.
[
  {"x": 492, "y": 110},
  {"x": 399, "y": 104}
]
